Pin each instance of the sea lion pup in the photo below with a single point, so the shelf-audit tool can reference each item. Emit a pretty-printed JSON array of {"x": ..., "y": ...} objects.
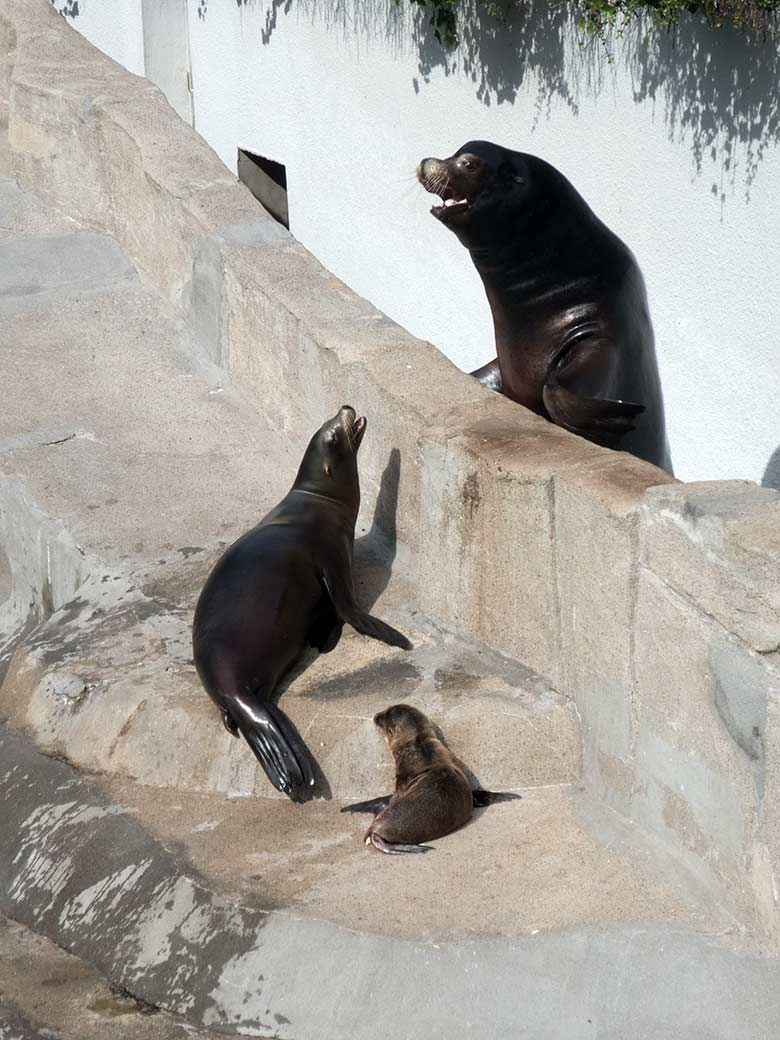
[
  {"x": 433, "y": 795},
  {"x": 286, "y": 583},
  {"x": 574, "y": 341}
]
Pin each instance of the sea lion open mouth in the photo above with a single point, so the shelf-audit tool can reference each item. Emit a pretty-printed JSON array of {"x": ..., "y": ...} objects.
[
  {"x": 436, "y": 176},
  {"x": 354, "y": 426},
  {"x": 451, "y": 204}
]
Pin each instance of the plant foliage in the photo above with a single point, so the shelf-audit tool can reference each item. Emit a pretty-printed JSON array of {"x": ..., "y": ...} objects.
[{"x": 598, "y": 16}]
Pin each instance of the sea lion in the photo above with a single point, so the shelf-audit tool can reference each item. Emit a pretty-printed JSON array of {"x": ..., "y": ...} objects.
[
  {"x": 286, "y": 583},
  {"x": 574, "y": 341},
  {"x": 433, "y": 795}
]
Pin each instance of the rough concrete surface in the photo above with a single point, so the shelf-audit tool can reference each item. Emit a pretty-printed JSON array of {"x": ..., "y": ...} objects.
[
  {"x": 473, "y": 472},
  {"x": 48, "y": 994},
  {"x": 550, "y": 860},
  {"x": 80, "y": 869}
]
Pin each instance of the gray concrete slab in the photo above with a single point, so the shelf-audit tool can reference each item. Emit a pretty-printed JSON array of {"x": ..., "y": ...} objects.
[
  {"x": 78, "y": 868},
  {"x": 48, "y": 994},
  {"x": 22, "y": 213},
  {"x": 53, "y": 265}
]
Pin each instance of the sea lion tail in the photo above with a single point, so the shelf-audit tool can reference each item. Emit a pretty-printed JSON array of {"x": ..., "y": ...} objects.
[
  {"x": 385, "y": 846},
  {"x": 276, "y": 745}
]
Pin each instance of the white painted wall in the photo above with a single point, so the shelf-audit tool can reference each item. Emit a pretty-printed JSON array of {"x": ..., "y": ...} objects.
[
  {"x": 115, "y": 26},
  {"x": 676, "y": 145}
]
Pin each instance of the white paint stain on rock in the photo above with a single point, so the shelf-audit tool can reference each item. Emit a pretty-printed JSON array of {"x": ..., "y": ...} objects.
[{"x": 102, "y": 897}]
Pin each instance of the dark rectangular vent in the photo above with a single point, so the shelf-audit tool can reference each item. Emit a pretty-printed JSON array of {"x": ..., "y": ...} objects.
[{"x": 267, "y": 180}]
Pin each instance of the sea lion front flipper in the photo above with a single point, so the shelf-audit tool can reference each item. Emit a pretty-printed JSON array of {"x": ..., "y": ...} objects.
[
  {"x": 368, "y": 625},
  {"x": 384, "y": 846},
  {"x": 590, "y": 416},
  {"x": 374, "y": 805},
  {"x": 483, "y": 798},
  {"x": 339, "y": 588},
  {"x": 489, "y": 376}
]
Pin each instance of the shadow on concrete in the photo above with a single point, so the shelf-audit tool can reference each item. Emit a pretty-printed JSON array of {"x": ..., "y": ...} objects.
[
  {"x": 771, "y": 477},
  {"x": 716, "y": 88},
  {"x": 375, "y": 551}
]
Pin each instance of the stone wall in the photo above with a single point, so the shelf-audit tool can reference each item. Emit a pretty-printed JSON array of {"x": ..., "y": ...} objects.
[{"x": 652, "y": 603}]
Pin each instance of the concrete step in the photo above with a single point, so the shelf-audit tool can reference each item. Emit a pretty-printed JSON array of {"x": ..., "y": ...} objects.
[
  {"x": 127, "y": 466},
  {"x": 108, "y": 683},
  {"x": 544, "y": 918},
  {"x": 48, "y": 994}
]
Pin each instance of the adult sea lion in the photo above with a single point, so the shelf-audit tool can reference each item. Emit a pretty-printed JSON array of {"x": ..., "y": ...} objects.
[
  {"x": 286, "y": 583},
  {"x": 574, "y": 341},
  {"x": 433, "y": 795}
]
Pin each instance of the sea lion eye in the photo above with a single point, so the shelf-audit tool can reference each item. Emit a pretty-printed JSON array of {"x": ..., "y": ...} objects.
[{"x": 467, "y": 164}]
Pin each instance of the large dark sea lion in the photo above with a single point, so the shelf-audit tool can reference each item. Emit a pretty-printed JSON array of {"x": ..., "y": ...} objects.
[
  {"x": 574, "y": 341},
  {"x": 433, "y": 795},
  {"x": 286, "y": 583}
]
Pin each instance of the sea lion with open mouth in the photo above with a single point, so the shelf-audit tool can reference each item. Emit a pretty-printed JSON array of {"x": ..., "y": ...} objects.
[
  {"x": 433, "y": 796},
  {"x": 286, "y": 583},
  {"x": 574, "y": 341}
]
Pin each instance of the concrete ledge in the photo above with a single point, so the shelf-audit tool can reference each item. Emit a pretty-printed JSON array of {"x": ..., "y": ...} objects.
[{"x": 508, "y": 530}]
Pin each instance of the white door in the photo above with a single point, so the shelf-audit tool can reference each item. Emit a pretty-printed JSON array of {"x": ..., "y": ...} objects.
[{"x": 167, "y": 52}]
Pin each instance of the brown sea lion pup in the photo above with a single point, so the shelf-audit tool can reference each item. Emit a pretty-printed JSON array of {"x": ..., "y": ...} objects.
[
  {"x": 433, "y": 795},
  {"x": 574, "y": 340},
  {"x": 285, "y": 584}
]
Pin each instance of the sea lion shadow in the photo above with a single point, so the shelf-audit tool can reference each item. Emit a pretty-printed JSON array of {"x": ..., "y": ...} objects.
[
  {"x": 375, "y": 552},
  {"x": 771, "y": 477},
  {"x": 373, "y": 563}
]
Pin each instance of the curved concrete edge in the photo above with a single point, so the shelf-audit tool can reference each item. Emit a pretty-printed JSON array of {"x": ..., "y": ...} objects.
[
  {"x": 514, "y": 532},
  {"x": 78, "y": 869},
  {"x": 106, "y": 681}
]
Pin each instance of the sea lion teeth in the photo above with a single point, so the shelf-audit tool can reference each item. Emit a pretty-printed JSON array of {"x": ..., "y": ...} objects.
[{"x": 285, "y": 584}]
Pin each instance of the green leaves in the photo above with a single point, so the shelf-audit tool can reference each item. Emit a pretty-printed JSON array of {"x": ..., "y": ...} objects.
[{"x": 599, "y": 16}]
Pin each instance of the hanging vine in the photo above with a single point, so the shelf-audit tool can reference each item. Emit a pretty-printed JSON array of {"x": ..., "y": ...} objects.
[{"x": 600, "y": 16}]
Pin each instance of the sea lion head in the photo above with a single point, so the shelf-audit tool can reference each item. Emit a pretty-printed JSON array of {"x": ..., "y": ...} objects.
[
  {"x": 402, "y": 723},
  {"x": 329, "y": 465},
  {"x": 482, "y": 187}
]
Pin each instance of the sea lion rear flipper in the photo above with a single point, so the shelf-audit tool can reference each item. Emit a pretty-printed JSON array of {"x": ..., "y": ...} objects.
[
  {"x": 295, "y": 742},
  {"x": 483, "y": 798},
  {"x": 275, "y": 744},
  {"x": 342, "y": 596},
  {"x": 384, "y": 846},
  {"x": 375, "y": 805},
  {"x": 489, "y": 376},
  {"x": 229, "y": 724},
  {"x": 590, "y": 416}
]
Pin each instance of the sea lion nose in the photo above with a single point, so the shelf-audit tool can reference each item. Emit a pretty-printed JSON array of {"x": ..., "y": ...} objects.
[{"x": 427, "y": 168}]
